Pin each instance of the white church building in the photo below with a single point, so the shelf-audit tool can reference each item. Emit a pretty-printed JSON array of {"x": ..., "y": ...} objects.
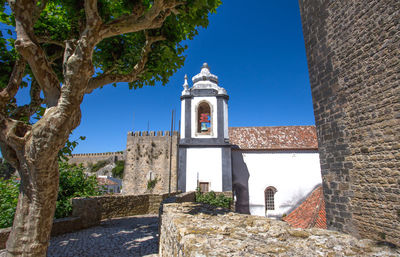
[{"x": 270, "y": 170}]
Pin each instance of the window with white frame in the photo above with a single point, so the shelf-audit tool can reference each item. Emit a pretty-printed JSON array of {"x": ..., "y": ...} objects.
[{"x": 270, "y": 198}]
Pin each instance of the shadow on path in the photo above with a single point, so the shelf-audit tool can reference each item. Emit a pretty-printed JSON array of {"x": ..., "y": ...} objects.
[{"x": 128, "y": 236}]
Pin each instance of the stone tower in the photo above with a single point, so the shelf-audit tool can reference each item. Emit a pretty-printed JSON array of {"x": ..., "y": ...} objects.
[
  {"x": 204, "y": 149},
  {"x": 147, "y": 163},
  {"x": 353, "y": 61}
]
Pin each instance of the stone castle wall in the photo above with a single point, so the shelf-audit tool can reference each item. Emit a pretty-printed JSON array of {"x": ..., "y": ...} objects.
[
  {"x": 86, "y": 158},
  {"x": 353, "y": 60},
  {"x": 192, "y": 229},
  {"x": 148, "y": 158}
]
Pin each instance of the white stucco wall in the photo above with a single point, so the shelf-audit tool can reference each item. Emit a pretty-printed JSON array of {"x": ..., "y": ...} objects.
[
  {"x": 213, "y": 102},
  {"x": 205, "y": 163},
  {"x": 183, "y": 119},
  {"x": 226, "y": 132},
  {"x": 293, "y": 174}
]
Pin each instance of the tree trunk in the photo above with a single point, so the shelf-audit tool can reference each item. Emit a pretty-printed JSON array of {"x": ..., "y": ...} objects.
[
  {"x": 35, "y": 210},
  {"x": 38, "y": 168}
]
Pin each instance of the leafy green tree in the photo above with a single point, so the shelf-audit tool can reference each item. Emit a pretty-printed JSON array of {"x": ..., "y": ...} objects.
[
  {"x": 98, "y": 165},
  {"x": 8, "y": 201},
  {"x": 62, "y": 50},
  {"x": 73, "y": 183},
  {"x": 68, "y": 148},
  {"x": 118, "y": 170}
]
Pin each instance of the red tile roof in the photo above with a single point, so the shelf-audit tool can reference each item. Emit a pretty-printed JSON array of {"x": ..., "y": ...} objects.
[
  {"x": 311, "y": 213},
  {"x": 106, "y": 181},
  {"x": 274, "y": 138}
]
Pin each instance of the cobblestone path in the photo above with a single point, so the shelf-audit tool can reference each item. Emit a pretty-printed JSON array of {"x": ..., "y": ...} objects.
[{"x": 129, "y": 236}]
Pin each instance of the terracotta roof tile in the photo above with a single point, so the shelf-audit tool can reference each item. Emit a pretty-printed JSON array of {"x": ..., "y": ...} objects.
[
  {"x": 311, "y": 213},
  {"x": 274, "y": 138},
  {"x": 106, "y": 181}
]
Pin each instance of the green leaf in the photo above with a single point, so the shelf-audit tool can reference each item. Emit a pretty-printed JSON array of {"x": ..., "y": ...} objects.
[{"x": 118, "y": 170}]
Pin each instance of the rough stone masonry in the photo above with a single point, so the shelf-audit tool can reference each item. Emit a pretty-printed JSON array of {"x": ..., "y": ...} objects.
[
  {"x": 353, "y": 50},
  {"x": 193, "y": 230},
  {"x": 148, "y": 159}
]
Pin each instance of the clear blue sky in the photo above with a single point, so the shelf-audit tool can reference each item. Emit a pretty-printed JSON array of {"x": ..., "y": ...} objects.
[{"x": 256, "y": 50}]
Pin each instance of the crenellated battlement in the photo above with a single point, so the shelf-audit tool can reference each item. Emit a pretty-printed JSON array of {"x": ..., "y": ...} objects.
[
  {"x": 149, "y": 157},
  {"x": 98, "y": 154},
  {"x": 87, "y": 158},
  {"x": 152, "y": 133}
]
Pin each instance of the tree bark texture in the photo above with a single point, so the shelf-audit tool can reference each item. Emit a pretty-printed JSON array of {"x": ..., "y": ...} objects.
[
  {"x": 38, "y": 168},
  {"x": 33, "y": 149},
  {"x": 35, "y": 212}
]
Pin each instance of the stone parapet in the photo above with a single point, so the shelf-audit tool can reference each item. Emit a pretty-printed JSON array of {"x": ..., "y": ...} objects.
[
  {"x": 179, "y": 198},
  {"x": 66, "y": 225},
  {"x": 190, "y": 229},
  {"x": 89, "y": 211},
  {"x": 185, "y": 197},
  {"x": 96, "y": 208}
]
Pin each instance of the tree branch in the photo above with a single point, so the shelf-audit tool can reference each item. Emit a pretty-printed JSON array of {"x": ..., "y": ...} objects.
[
  {"x": 70, "y": 46},
  {"x": 29, "y": 109},
  {"x": 38, "y": 10},
  {"x": 137, "y": 21},
  {"x": 9, "y": 154},
  {"x": 93, "y": 18},
  {"x": 108, "y": 78},
  {"x": 78, "y": 53},
  {"x": 13, "y": 133},
  {"x": 56, "y": 56},
  {"x": 13, "y": 84},
  {"x": 50, "y": 41},
  {"x": 16, "y": 133},
  {"x": 26, "y": 45},
  {"x": 41, "y": 68}
]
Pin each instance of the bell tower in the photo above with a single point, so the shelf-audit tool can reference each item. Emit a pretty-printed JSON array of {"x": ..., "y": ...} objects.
[{"x": 204, "y": 149}]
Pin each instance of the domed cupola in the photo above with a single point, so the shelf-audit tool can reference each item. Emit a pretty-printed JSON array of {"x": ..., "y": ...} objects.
[{"x": 204, "y": 80}]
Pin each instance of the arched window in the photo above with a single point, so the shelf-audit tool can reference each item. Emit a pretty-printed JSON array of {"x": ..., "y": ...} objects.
[
  {"x": 270, "y": 198},
  {"x": 204, "y": 118}
]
